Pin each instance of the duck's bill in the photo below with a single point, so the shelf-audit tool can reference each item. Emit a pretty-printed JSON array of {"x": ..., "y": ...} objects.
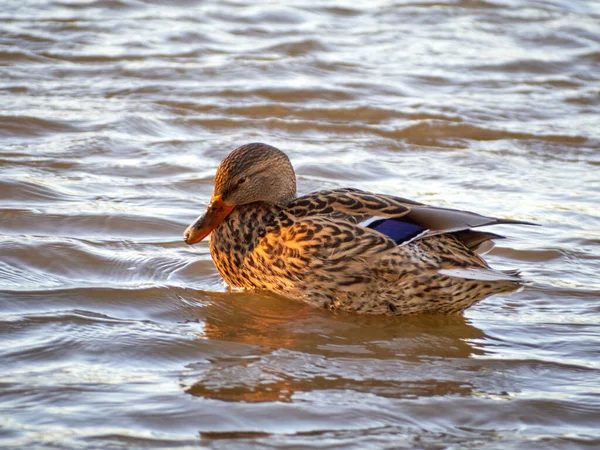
[{"x": 202, "y": 227}]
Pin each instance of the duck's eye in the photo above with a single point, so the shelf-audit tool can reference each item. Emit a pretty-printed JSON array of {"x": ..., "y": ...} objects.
[{"x": 241, "y": 181}]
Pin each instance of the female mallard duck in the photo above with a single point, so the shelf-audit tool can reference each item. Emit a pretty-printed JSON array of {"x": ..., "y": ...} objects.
[{"x": 343, "y": 248}]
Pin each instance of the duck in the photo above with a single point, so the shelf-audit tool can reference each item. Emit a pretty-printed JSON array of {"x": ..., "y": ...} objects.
[{"x": 344, "y": 249}]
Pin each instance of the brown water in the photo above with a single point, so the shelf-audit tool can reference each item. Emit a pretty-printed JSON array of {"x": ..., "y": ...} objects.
[{"x": 115, "y": 113}]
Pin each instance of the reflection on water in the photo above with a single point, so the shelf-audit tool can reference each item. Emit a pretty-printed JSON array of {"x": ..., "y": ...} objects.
[
  {"x": 114, "y": 116},
  {"x": 304, "y": 350}
]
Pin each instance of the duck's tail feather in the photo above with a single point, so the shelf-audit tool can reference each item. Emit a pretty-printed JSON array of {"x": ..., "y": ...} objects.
[
  {"x": 482, "y": 274},
  {"x": 444, "y": 220},
  {"x": 479, "y": 242}
]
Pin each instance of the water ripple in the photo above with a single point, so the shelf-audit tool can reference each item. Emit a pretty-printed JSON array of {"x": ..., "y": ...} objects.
[{"x": 115, "y": 114}]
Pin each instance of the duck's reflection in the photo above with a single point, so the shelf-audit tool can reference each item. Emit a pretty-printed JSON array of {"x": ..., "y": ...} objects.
[{"x": 292, "y": 348}]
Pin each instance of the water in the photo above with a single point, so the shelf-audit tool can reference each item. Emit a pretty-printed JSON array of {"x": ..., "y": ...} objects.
[{"x": 115, "y": 113}]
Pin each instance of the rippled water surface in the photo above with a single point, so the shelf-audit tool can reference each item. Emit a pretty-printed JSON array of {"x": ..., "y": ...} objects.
[{"x": 114, "y": 116}]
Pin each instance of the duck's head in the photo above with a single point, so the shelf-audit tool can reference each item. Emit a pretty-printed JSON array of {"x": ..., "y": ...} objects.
[{"x": 251, "y": 173}]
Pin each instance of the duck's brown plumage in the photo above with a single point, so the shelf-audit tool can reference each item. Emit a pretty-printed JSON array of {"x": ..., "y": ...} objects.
[{"x": 315, "y": 249}]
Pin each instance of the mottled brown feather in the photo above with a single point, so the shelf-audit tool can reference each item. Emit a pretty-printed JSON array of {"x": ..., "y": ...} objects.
[
  {"x": 314, "y": 255},
  {"x": 313, "y": 248}
]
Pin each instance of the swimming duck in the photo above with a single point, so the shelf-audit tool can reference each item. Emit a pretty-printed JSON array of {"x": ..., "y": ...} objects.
[{"x": 344, "y": 248}]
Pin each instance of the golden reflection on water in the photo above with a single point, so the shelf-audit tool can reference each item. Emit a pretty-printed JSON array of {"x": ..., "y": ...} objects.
[{"x": 274, "y": 324}]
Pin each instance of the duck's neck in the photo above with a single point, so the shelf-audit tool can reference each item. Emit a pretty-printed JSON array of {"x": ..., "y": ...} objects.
[{"x": 241, "y": 231}]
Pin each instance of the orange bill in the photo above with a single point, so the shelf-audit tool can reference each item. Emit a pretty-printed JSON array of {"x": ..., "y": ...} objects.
[{"x": 215, "y": 214}]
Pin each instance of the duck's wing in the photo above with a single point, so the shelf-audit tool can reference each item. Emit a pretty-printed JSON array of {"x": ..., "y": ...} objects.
[{"x": 401, "y": 219}]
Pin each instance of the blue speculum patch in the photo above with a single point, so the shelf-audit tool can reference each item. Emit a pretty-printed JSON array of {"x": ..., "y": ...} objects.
[{"x": 396, "y": 229}]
